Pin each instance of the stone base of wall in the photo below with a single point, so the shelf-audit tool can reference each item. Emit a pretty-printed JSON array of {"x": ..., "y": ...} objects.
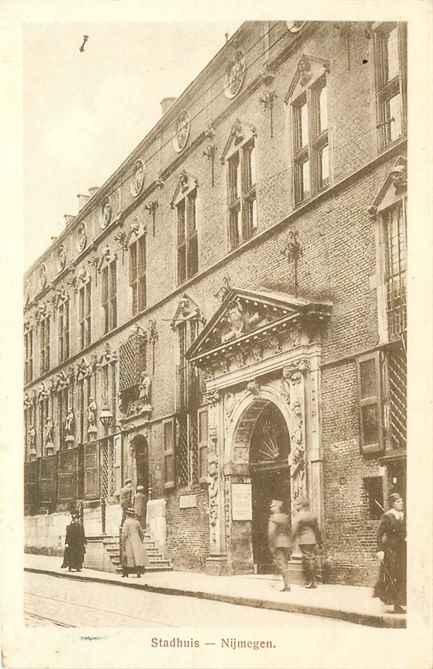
[{"x": 97, "y": 557}]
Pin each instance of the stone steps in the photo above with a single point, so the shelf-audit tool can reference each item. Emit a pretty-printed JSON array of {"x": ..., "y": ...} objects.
[{"x": 154, "y": 558}]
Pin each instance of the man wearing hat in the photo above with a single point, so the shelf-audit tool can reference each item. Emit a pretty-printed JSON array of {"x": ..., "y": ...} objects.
[
  {"x": 140, "y": 503},
  {"x": 279, "y": 540},
  {"x": 307, "y": 534},
  {"x": 125, "y": 497},
  {"x": 133, "y": 554}
]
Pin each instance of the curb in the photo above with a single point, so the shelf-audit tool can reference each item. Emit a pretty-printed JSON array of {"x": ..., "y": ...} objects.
[{"x": 370, "y": 620}]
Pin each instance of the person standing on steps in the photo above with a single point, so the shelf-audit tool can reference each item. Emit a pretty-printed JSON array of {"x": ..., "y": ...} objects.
[
  {"x": 133, "y": 554},
  {"x": 140, "y": 503},
  {"x": 307, "y": 534},
  {"x": 279, "y": 540},
  {"x": 391, "y": 551},
  {"x": 125, "y": 498}
]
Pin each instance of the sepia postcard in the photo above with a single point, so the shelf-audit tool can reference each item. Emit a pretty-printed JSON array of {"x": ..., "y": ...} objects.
[{"x": 217, "y": 388}]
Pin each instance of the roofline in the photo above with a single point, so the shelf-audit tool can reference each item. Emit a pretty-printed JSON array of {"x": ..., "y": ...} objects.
[{"x": 163, "y": 120}]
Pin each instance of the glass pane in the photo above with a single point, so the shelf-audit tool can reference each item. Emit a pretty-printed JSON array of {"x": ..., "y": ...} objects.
[
  {"x": 303, "y": 126},
  {"x": 367, "y": 373},
  {"x": 181, "y": 221},
  {"x": 168, "y": 436},
  {"x": 202, "y": 427},
  {"x": 192, "y": 223},
  {"x": 324, "y": 166},
  {"x": 203, "y": 461},
  {"x": 323, "y": 109},
  {"x": 234, "y": 229},
  {"x": 305, "y": 179},
  {"x": 394, "y": 115},
  {"x": 370, "y": 424},
  {"x": 391, "y": 56},
  {"x": 253, "y": 213},
  {"x": 234, "y": 177}
]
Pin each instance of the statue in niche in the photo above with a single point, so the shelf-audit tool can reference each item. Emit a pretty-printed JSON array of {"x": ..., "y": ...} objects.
[
  {"x": 69, "y": 423},
  {"x": 48, "y": 432},
  {"x": 61, "y": 259},
  {"x": 31, "y": 437},
  {"x": 91, "y": 414},
  {"x": 144, "y": 388},
  {"x": 297, "y": 452}
]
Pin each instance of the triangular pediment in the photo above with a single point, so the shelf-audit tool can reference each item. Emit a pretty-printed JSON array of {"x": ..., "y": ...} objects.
[
  {"x": 185, "y": 183},
  {"x": 186, "y": 310},
  {"x": 239, "y": 133},
  {"x": 308, "y": 70},
  {"x": 248, "y": 314},
  {"x": 392, "y": 188}
]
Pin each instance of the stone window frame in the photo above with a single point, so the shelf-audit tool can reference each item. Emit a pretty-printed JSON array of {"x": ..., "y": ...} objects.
[
  {"x": 64, "y": 330},
  {"x": 85, "y": 313},
  {"x": 109, "y": 295},
  {"x": 138, "y": 273},
  {"x": 387, "y": 89},
  {"x": 28, "y": 355},
  {"x": 374, "y": 399},
  {"x": 242, "y": 191}
]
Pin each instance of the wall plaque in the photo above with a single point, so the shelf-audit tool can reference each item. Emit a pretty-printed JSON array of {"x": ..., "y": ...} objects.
[
  {"x": 241, "y": 501},
  {"x": 187, "y": 501}
]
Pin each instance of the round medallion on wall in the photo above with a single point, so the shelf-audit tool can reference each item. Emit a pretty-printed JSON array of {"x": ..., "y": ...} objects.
[
  {"x": 82, "y": 237},
  {"x": 43, "y": 276},
  {"x": 137, "y": 178},
  {"x": 294, "y": 26},
  {"x": 182, "y": 129},
  {"x": 235, "y": 75},
  {"x": 107, "y": 212}
]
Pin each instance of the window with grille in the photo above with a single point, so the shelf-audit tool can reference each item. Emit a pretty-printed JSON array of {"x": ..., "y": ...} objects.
[
  {"x": 169, "y": 464},
  {"x": 241, "y": 186},
  {"x": 390, "y": 67},
  {"x": 44, "y": 344},
  {"x": 137, "y": 274},
  {"x": 187, "y": 237},
  {"x": 132, "y": 363},
  {"x": 397, "y": 397},
  {"x": 85, "y": 314},
  {"x": 28, "y": 360},
  {"x": 109, "y": 296},
  {"x": 310, "y": 141},
  {"x": 395, "y": 269},
  {"x": 63, "y": 333}
]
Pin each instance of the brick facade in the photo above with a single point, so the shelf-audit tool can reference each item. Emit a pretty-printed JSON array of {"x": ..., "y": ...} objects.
[{"x": 338, "y": 263}]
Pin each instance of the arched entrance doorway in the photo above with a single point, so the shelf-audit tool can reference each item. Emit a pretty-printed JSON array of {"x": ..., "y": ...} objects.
[{"x": 270, "y": 478}]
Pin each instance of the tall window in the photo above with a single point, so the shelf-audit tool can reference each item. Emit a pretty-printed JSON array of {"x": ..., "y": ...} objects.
[
  {"x": 395, "y": 269},
  {"x": 203, "y": 443},
  {"x": 168, "y": 439},
  {"x": 310, "y": 141},
  {"x": 62, "y": 405},
  {"x": 85, "y": 314},
  {"x": 370, "y": 403},
  {"x": 28, "y": 348},
  {"x": 390, "y": 66},
  {"x": 43, "y": 417},
  {"x": 44, "y": 344},
  {"x": 242, "y": 202},
  {"x": 63, "y": 335},
  {"x": 187, "y": 238},
  {"x": 109, "y": 296},
  {"x": 137, "y": 274}
]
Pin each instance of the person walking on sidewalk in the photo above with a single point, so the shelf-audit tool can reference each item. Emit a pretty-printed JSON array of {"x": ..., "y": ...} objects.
[
  {"x": 133, "y": 556},
  {"x": 140, "y": 502},
  {"x": 75, "y": 542},
  {"x": 391, "y": 551},
  {"x": 307, "y": 534},
  {"x": 279, "y": 540},
  {"x": 125, "y": 498}
]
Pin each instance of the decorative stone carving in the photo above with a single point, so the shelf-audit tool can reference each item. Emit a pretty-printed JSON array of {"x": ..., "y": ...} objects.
[
  {"x": 253, "y": 387},
  {"x": 31, "y": 440},
  {"x": 212, "y": 397},
  {"x": 241, "y": 319},
  {"x": 42, "y": 392},
  {"x": 144, "y": 388},
  {"x": 182, "y": 129},
  {"x": 138, "y": 178},
  {"x": 107, "y": 256},
  {"x": 48, "y": 433},
  {"x": 70, "y": 426},
  {"x": 225, "y": 289},
  {"x": 43, "y": 278},
  {"x": 83, "y": 369},
  {"x": 81, "y": 237},
  {"x": 107, "y": 212},
  {"x": 61, "y": 258},
  {"x": 28, "y": 402},
  {"x": 91, "y": 416},
  {"x": 235, "y": 75},
  {"x": 213, "y": 494}
]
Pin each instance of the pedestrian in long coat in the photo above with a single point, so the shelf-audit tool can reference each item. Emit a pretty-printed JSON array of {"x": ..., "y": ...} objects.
[
  {"x": 133, "y": 554},
  {"x": 391, "y": 551},
  {"x": 306, "y": 533},
  {"x": 125, "y": 498},
  {"x": 75, "y": 543},
  {"x": 279, "y": 540},
  {"x": 140, "y": 503}
]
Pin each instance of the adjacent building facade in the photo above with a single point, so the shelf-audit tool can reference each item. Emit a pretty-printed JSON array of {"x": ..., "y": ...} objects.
[{"x": 224, "y": 320}]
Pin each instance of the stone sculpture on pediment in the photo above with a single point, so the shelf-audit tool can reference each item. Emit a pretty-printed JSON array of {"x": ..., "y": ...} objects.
[
  {"x": 91, "y": 415},
  {"x": 240, "y": 321}
]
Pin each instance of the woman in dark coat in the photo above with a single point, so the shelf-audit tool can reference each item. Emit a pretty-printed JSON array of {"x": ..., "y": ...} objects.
[
  {"x": 391, "y": 544},
  {"x": 74, "y": 544}
]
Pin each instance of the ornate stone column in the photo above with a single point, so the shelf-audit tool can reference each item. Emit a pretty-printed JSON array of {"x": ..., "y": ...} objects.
[
  {"x": 315, "y": 456},
  {"x": 294, "y": 379}
]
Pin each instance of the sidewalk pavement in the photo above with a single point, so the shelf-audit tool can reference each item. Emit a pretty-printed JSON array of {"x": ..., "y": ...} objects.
[{"x": 344, "y": 602}]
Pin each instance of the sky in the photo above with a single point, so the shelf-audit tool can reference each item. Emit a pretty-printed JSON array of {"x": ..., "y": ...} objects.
[{"x": 83, "y": 112}]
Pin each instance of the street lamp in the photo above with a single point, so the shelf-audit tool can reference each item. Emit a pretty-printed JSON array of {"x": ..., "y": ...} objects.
[{"x": 106, "y": 417}]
